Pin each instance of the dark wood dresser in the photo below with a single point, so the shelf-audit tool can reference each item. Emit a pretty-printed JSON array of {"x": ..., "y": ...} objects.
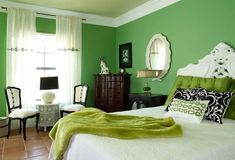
[{"x": 111, "y": 92}]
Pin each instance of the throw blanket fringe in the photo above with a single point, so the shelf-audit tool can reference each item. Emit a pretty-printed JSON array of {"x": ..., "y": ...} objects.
[{"x": 97, "y": 122}]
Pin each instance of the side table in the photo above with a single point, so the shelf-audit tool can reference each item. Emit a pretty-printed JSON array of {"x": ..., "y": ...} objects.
[
  {"x": 146, "y": 100},
  {"x": 49, "y": 114},
  {"x": 3, "y": 126}
]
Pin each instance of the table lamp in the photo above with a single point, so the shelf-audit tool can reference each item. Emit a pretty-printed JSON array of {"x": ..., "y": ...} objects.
[
  {"x": 48, "y": 83},
  {"x": 147, "y": 74}
]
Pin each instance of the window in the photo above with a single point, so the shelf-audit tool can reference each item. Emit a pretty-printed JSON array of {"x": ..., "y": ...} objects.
[
  {"x": 48, "y": 62},
  {"x": 46, "y": 59}
]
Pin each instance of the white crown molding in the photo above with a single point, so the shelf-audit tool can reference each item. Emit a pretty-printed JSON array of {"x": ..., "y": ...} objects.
[
  {"x": 98, "y": 20},
  {"x": 143, "y": 10},
  {"x": 138, "y": 12}
]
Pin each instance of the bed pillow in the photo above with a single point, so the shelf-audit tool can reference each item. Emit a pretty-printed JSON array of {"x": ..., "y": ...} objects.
[
  {"x": 230, "y": 112},
  {"x": 217, "y": 106},
  {"x": 218, "y": 101},
  {"x": 213, "y": 84},
  {"x": 191, "y": 111},
  {"x": 187, "y": 94}
]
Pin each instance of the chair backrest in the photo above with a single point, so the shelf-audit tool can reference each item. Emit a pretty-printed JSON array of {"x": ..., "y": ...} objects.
[
  {"x": 80, "y": 94},
  {"x": 13, "y": 97}
]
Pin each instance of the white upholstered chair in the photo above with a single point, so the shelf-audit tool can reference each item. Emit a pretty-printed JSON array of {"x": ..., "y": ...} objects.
[
  {"x": 15, "y": 110},
  {"x": 79, "y": 100}
]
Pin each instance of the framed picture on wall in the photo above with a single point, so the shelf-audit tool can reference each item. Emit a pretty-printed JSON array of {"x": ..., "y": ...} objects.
[{"x": 125, "y": 55}]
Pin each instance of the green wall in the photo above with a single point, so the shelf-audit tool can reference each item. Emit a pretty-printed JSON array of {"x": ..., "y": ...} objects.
[
  {"x": 97, "y": 41},
  {"x": 45, "y": 25},
  {"x": 193, "y": 28},
  {"x": 3, "y": 24}
]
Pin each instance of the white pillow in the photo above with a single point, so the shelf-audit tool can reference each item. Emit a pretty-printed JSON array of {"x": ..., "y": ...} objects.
[
  {"x": 191, "y": 111},
  {"x": 73, "y": 107}
]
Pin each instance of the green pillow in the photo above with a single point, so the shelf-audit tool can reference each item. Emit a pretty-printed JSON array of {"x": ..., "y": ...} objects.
[
  {"x": 213, "y": 84},
  {"x": 230, "y": 112}
]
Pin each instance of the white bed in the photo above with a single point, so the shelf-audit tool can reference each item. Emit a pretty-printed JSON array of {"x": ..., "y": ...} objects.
[{"x": 205, "y": 141}]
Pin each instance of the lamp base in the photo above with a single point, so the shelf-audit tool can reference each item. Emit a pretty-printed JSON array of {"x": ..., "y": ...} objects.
[
  {"x": 147, "y": 90},
  {"x": 48, "y": 97}
]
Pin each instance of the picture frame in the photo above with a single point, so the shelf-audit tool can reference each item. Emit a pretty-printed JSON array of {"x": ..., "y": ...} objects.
[{"x": 125, "y": 55}]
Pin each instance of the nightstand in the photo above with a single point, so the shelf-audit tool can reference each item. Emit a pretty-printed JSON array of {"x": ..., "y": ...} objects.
[
  {"x": 3, "y": 126},
  {"x": 49, "y": 114},
  {"x": 145, "y": 100}
]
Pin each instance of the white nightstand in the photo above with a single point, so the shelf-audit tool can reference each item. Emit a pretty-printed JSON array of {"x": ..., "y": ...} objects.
[{"x": 49, "y": 114}]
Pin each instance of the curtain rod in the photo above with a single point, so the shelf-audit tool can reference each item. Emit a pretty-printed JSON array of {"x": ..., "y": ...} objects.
[{"x": 45, "y": 14}]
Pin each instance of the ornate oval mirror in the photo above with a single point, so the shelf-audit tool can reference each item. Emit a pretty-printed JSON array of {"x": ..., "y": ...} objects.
[{"x": 158, "y": 55}]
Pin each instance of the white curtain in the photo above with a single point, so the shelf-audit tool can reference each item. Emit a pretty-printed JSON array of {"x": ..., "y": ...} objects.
[
  {"x": 68, "y": 35},
  {"x": 21, "y": 30}
]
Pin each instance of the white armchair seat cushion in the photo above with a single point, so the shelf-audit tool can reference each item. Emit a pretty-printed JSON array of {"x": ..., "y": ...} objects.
[
  {"x": 73, "y": 107},
  {"x": 22, "y": 113}
]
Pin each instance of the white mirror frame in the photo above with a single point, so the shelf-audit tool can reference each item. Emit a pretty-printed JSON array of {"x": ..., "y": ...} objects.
[{"x": 167, "y": 54}]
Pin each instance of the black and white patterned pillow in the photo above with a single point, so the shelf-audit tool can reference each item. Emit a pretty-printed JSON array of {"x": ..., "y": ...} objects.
[
  {"x": 218, "y": 103},
  {"x": 187, "y": 94}
]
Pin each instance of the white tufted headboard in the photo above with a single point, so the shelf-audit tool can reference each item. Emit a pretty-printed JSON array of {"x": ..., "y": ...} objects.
[{"x": 219, "y": 63}]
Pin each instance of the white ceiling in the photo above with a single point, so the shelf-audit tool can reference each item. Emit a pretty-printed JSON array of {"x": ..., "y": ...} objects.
[
  {"x": 112, "y": 13},
  {"x": 108, "y": 8}
]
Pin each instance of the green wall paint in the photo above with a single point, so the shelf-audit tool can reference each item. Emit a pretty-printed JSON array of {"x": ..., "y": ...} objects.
[
  {"x": 192, "y": 27},
  {"x": 3, "y": 24},
  {"x": 97, "y": 41},
  {"x": 45, "y": 25}
]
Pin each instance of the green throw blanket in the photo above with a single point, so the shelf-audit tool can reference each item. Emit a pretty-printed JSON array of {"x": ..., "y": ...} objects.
[{"x": 97, "y": 122}]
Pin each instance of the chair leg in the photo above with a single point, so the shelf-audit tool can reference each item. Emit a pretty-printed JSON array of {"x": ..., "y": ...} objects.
[
  {"x": 9, "y": 128},
  {"x": 24, "y": 128},
  {"x": 20, "y": 125},
  {"x": 37, "y": 119}
]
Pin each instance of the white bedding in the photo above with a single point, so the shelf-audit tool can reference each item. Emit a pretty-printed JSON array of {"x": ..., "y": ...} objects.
[{"x": 205, "y": 141}]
